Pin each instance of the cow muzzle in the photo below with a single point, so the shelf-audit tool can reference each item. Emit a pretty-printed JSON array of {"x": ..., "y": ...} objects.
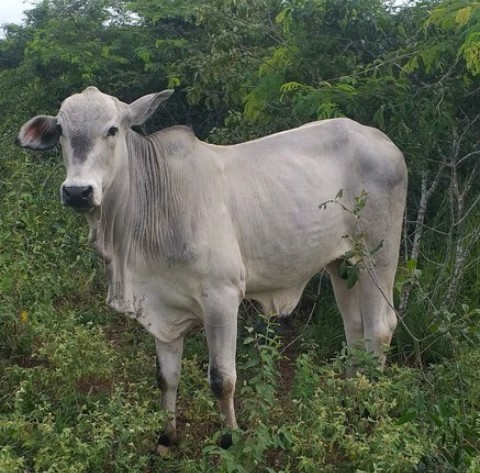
[{"x": 79, "y": 198}]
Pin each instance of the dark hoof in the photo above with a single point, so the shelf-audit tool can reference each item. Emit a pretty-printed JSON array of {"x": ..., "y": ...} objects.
[
  {"x": 165, "y": 443},
  {"x": 165, "y": 439},
  {"x": 226, "y": 441}
]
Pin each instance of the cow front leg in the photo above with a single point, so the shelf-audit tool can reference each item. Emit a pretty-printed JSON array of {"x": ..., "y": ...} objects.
[
  {"x": 169, "y": 359},
  {"x": 221, "y": 338}
]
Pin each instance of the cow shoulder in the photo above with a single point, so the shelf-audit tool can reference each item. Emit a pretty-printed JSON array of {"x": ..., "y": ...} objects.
[{"x": 176, "y": 142}]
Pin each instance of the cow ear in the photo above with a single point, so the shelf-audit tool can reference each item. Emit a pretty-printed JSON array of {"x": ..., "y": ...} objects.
[
  {"x": 39, "y": 133},
  {"x": 140, "y": 110}
]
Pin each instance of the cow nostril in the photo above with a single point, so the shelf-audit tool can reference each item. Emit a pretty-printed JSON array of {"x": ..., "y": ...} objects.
[
  {"x": 87, "y": 192},
  {"x": 79, "y": 197}
]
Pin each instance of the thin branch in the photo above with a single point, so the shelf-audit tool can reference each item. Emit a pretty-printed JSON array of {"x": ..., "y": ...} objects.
[
  {"x": 467, "y": 213},
  {"x": 426, "y": 194},
  {"x": 469, "y": 182},
  {"x": 469, "y": 155}
]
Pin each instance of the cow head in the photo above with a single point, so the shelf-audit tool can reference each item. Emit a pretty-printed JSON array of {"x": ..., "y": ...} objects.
[{"x": 91, "y": 129}]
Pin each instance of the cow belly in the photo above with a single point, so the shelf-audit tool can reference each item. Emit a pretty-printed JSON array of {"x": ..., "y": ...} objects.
[
  {"x": 280, "y": 302},
  {"x": 278, "y": 284},
  {"x": 293, "y": 247},
  {"x": 276, "y": 278}
]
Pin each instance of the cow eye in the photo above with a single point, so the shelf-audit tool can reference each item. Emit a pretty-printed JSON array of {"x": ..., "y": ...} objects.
[
  {"x": 112, "y": 131},
  {"x": 59, "y": 129}
]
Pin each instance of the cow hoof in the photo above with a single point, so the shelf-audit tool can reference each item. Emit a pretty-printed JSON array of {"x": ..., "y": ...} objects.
[
  {"x": 163, "y": 451},
  {"x": 226, "y": 441},
  {"x": 164, "y": 444}
]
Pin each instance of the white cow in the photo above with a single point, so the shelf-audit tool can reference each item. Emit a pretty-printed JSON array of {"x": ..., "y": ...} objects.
[{"x": 189, "y": 229}]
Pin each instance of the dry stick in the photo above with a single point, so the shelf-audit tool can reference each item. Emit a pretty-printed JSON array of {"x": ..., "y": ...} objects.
[
  {"x": 419, "y": 226},
  {"x": 459, "y": 214},
  {"x": 425, "y": 197},
  {"x": 468, "y": 211},
  {"x": 461, "y": 251}
]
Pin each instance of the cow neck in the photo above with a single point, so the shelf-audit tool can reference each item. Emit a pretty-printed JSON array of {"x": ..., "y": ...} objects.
[{"x": 140, "y": 217}]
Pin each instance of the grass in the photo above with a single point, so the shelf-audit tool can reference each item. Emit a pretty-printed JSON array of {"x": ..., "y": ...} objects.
[{"x": 78, "y": 391}]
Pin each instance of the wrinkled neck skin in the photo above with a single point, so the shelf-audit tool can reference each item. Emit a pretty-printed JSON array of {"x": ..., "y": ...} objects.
[{"x": 134, "y": 225}]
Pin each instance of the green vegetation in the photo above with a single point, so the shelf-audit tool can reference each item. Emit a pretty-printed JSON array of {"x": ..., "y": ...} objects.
[{"x": 77, "y": 386}]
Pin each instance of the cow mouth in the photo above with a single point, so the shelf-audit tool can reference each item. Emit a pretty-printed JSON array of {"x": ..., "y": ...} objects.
[{"x": 82, "y": 208}]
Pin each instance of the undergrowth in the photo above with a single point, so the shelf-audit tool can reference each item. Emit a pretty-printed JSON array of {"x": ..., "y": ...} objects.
[{"x": 78, "y": 391}]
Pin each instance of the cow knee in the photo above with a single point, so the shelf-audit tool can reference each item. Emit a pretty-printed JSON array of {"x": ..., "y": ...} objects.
[
  {"x": 392, "y": 320},
  {"x": 166, "y": 379},
  {"x": 222, "y": 383},
  {"x": 161, "y": 381},
  {"x": 384, "y": 331}
]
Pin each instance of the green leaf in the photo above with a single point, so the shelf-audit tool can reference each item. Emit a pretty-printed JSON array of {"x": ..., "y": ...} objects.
[
  {"x": 471, "y": 52},
  {"x": 173, "y": 82},
  {"x": 352, "y": 275},
  {"x": 343, "y": 269},
  {"x": 288, "y": 86},
  {"x": 463, "y": 16},
  {"x": 411, "y": 264},
  {"x": 407, "y": 416},
  {"x": 360, "y": 202},
  {"x": 411, "y": 65},
  {"x": 379, "y": 117}
]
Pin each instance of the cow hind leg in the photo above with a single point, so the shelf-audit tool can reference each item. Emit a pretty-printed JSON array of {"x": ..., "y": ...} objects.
[
  {"x": 378, "y": 314},
  {"x": 348, "y": 303},
  {"x": 367, "y": 310},
  {"x": 169, "y": 357}
]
